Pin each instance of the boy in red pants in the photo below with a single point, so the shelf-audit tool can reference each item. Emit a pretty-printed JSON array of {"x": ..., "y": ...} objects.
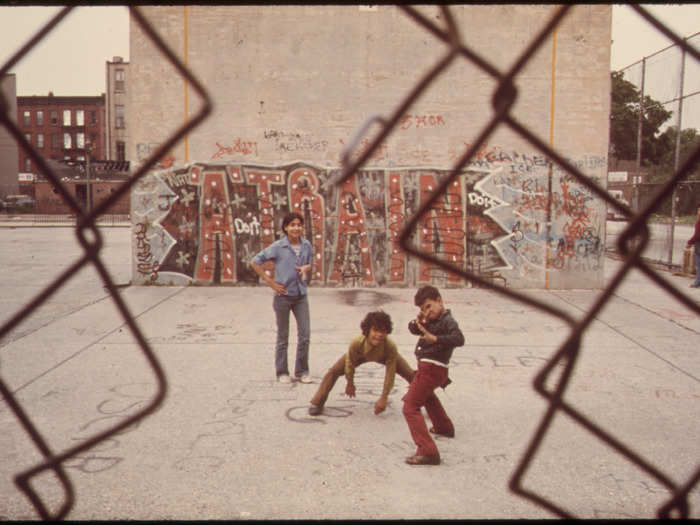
[{"x": 439, "y": 335}]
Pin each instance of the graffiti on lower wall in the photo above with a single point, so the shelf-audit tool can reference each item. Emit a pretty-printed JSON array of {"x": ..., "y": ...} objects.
[{"x": 509, "y": 216}]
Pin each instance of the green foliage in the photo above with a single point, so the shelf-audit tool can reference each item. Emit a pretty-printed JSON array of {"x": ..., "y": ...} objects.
[
  {"x": 690, "y": 140},
  {"x": 624, "y": 118}
]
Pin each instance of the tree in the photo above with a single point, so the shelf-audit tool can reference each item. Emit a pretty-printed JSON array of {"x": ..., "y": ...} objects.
[
  {"x": 624, "y": 117},
  {"x": 690, "y": 141}
]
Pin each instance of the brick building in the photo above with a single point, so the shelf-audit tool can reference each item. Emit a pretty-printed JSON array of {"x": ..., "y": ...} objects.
[
  {"x": 116, "y": 83},
  {"x": 61, "y": 128},
  {"x": 8, "y": 146}
]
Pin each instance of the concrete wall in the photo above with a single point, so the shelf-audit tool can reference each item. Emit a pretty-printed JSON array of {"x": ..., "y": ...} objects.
[
  {"x": 9, "y": 154},
  {"x": 292, "y": 84}
]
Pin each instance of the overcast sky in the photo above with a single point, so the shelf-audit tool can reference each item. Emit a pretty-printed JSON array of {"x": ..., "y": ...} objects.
[{"x": 72, "y": 60}]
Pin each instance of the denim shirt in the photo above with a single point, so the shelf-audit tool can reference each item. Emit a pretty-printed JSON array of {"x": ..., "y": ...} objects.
[{"x": 285, "y": 259}]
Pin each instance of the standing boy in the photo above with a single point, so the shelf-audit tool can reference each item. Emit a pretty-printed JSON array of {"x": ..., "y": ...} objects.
[
  {"x": 372, "y": 345},
  {"x": 439, "y": 335}
]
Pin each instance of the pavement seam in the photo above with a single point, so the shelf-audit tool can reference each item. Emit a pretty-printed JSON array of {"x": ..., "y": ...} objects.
[
  {"x": 54, "y": 319},
  {"x": 80, "y": 351},
  {"x": 637, "y": 343}
]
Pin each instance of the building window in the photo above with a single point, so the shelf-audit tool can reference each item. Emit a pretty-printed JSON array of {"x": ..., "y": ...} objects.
[
  {"x": 119, "y": 116},
  {"x": 54, "y": 140},
  {"x": 66, "y": 117},
  {"x": 80, "y": 140},
  {"x": 27, "y": 164},
  {"x": 119, "y": 81},
  {"x": 27, "y": 118},
  {"x": 54, "y": 118},
  {"x": 67, "y": 141},
  {"x": 28, "y": 137},
  {"x": 93, "y": 117},
  {"x": 121, "y": 151},
  {"x": 39, "y": 118},
  {"x": 39, "y": 140},
  {"x": 79, "y": 117}
]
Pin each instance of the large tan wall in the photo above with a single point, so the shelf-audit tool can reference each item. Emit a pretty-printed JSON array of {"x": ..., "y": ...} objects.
[{"x": 293, "y": 84}]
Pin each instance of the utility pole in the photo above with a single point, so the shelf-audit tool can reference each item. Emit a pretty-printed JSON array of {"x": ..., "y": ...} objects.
[
  {"x": 638, "y": 178},
  {"x": 677, "y": 156},
  {"x": 88, "y": 198}
]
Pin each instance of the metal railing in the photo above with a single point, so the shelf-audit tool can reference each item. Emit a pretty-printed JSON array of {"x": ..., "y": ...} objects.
[{"x": 630, "y": 244}]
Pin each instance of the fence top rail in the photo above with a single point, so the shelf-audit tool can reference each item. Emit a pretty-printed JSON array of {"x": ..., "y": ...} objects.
[{"x": 657, "y": 52}]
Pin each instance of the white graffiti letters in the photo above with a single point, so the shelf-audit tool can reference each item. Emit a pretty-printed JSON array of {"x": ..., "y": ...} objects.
[{"x": 253, "y": 227}]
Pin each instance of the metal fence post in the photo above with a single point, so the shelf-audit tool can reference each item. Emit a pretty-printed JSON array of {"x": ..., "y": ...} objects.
[
  {"x": 677, "y": 155},
  {"x": 640, "y": 117}
]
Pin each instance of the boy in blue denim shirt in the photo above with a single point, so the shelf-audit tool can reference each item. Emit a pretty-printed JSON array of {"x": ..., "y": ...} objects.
[{"x": 292, "y": 257}]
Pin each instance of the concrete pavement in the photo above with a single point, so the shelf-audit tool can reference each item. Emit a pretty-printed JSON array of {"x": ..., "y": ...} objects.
[{"x": 231, "y": 443}]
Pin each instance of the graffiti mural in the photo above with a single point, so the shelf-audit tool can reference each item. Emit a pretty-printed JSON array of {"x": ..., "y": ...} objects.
[{"x": 508, "y": 215}]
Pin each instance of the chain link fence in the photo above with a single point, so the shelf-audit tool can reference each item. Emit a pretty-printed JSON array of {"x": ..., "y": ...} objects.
[
  {"x": 671, "y": 77},
  {"x": 631, "y": 242}
]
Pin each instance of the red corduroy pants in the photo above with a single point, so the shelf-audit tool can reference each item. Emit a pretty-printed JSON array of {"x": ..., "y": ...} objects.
[{"x": 421, "y": 394}]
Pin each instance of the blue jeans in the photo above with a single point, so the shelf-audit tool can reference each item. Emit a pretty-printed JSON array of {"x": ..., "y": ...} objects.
[
  {"x": 299, "y": 305},
  {"x": 696, "y": 256}
]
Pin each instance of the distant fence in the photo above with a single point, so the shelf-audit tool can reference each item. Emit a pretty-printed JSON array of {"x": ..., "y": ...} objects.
[
  {"x": 670, "y": 78},
  {"x": 34, "y": 219}
]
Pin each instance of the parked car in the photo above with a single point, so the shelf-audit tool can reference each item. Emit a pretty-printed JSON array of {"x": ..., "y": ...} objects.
[{"x": 17, "y": 203}]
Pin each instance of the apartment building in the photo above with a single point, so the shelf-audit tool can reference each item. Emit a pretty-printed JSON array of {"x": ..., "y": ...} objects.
[
  {"x": 66, "y": 128},
  {"x": 8, "y": 146},
  {"x": 116, "y": 130}
]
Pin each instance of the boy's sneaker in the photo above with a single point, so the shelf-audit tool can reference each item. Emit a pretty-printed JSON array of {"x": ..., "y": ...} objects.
[
  {"x": 284, "y": 378},
  {"x": 306, "y": 378},
  {"x": 315, "y": 410}
]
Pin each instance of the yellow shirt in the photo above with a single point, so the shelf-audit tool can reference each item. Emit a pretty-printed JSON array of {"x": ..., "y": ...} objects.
[{"x": 360, "y": 352}]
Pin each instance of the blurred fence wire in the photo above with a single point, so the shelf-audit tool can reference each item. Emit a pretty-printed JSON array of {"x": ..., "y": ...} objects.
[
  {"x": 91, "y": 241},
  {"x": 631, "y": 242}
]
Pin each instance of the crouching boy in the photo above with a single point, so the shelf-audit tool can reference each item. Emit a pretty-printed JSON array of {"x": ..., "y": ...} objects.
[{"x": 373, "y": 345}]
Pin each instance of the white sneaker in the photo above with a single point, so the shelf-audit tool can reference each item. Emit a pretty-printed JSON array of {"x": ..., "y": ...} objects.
[
  {"x": 306, "y": 378},
  {"x": 284, "y": 378}
]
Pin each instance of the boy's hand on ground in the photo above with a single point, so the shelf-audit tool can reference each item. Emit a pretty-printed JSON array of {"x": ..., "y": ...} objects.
[
  {"x": 380, "y": 405},
  {"x": 350, "y": 390}
]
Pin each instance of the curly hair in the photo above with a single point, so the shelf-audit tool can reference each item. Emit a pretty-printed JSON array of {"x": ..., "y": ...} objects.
[
  {"x": 426, "y": 292},
  {"x": 379, "y": 320}
]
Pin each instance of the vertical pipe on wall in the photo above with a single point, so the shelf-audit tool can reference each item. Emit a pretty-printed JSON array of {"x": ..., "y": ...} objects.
[
  {"x": 549, "y": 172},
  {"x": 187, "y": 87}
]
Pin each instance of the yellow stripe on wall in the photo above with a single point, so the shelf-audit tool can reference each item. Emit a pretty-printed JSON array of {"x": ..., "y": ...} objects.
[{"x": 187, "y": 109}]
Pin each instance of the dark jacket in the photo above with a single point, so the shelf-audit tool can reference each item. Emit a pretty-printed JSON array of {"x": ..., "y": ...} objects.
[{"x": 448, "y": 335}]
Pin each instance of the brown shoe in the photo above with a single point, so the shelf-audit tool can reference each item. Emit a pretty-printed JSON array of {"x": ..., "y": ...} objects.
[
  {"x": 431, "y": 459},
  {"x": 446, "y": 434}
]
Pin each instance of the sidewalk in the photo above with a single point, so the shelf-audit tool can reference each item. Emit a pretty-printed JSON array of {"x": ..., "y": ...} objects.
[{"x": 231, "y": 443}]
